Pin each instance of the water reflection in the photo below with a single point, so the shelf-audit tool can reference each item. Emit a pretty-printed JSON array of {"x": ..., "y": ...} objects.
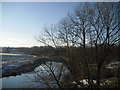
[
  {"x": 20, "y": 81},
  {"x": 32, "y": 80}
]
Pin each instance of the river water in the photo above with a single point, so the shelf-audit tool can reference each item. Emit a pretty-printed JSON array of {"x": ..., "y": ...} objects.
[
  {"x": 33, "y": 80},
  {"x": 19, "y": 81}
]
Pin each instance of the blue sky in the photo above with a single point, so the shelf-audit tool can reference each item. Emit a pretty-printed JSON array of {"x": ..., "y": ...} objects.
[{"x": 21, "y": 21}]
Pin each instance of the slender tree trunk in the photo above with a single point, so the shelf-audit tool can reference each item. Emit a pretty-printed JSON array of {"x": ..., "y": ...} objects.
[{"x": 98, "y": 77}]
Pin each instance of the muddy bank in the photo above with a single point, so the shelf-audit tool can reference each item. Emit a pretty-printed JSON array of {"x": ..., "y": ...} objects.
[
  {"x": 16, "y": 64},
  {"x": 23, "y": 67}
]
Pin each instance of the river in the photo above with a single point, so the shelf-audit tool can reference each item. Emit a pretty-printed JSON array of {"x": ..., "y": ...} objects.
[{"x": 31, "y": 79}]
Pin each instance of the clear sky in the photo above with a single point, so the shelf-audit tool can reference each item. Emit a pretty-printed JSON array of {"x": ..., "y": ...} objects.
[{"x": 21, "y": 21}]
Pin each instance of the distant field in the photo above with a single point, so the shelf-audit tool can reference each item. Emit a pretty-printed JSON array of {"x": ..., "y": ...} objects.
[{"x": 9, "y": 54}]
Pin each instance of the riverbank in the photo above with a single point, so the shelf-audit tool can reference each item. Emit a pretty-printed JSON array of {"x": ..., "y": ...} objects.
[
  {"x": 15, "y": 64},
  {"x": 19, "y": 66}
]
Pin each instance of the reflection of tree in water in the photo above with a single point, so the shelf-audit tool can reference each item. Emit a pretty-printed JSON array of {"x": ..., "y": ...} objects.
[{"x": 51, "y": 74}]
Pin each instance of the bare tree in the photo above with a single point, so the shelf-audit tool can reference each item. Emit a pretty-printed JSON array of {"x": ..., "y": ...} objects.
[
  {"x": 94, "y": 26},
  {"x": 105, "y": 25},
  {"x": 82, "y": 26}
]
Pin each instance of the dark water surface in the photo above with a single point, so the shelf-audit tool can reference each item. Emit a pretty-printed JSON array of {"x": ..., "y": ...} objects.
[
  {"x": 31, "y": 79},
  {"x": 19, "y": 81}
]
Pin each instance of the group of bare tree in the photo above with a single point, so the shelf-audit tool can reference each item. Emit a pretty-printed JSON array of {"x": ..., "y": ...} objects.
[{"x": 92, "y": 25}]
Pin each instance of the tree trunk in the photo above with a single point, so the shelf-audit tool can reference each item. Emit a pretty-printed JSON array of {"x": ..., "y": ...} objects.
[{"x": 98, "y": 77}]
